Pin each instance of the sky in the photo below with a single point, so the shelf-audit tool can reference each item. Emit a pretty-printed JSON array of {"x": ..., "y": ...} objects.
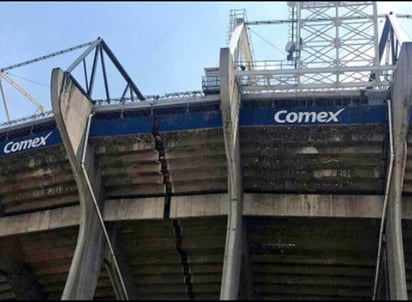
[{"x": 163, "y": 46}]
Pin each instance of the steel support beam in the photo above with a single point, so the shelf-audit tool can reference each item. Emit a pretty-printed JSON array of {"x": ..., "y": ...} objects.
[
  {"x": 401, "y": 97},
  {"x": 230, "y": 102},
  {"x": 24, "y": 92}
]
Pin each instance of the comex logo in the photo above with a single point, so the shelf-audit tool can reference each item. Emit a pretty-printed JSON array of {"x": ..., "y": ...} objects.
[
  {"x": 27, "y": 144},
  {"x": 283, "y": 116}
]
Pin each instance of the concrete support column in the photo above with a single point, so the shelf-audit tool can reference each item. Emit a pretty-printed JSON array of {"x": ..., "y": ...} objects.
[
  {"x": 401, "y": 98},
  {"x": 230, "y": 102},
  {"x": 71, "y": 109}
]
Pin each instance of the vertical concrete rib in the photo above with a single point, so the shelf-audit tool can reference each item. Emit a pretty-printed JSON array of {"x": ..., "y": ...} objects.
[
  {"x": 72, "y": 109},
  {"x": 230, "y": 103},
  {"x": 381, "y": 240},
  {"x": 401, "y": 97}
]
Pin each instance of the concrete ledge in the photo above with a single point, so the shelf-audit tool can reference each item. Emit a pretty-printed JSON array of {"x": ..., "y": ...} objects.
[
  {"x": 199, "y": 205},
  {"x": 313, "y": 205},
  {"x": 134, "y": 209},
  {"x": 406, "y": 207},
  {"x": 310, "y": 205},
  {"x": 115, "y": 210},
  {"x": 39, "y": 221}
]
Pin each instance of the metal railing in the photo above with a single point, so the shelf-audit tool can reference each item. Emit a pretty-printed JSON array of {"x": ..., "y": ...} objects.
[{"x": 28, "y": 119}]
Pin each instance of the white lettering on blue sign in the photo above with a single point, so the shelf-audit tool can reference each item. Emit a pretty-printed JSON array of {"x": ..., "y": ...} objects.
[
  {"x": 27, "y": 144},
  {"x": 283, "y": 116}
]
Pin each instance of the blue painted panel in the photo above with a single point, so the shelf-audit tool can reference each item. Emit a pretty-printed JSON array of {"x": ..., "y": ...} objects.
[
  {"x": 199, "y": 120},
  {"x": 131, "y": 125},
  {"x": 410, "y": 116},
  {"x": 30, "y": 142},
  {"x": 191, "y": 120},
  {"x": 313, "y": 115}
]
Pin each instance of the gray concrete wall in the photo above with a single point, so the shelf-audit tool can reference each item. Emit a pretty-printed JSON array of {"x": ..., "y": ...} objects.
[
  {"x": 287, "y": 205},
  {"x": 313, "y": 205}
]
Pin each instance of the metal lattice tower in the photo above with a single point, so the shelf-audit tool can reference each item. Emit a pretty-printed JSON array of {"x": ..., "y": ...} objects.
[
  {"x": 335, "y": 34},
  {"x": 236, "y": 17},
  {"x": 333, "y": 46}
]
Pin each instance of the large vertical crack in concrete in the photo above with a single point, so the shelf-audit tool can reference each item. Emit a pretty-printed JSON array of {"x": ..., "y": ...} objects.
[
  {"x": 184, "y": 258},
  {"x": 175, "y": 222}
]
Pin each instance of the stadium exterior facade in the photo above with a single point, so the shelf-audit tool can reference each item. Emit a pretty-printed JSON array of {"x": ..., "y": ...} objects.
[{"x": 258, "y": 188}]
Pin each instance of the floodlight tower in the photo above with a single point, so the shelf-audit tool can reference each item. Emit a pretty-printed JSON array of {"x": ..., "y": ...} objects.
[
  {"x": 335, "y": 35},
  {"x": 333, "y": 46},
  {"x": 238, "y": 37}
]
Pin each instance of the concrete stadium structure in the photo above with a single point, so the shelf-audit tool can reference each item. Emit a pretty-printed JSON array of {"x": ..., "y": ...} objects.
[{"x": 273, "y": 183}]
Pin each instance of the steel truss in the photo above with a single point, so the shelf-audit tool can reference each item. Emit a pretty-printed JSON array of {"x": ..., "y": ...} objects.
[
  {"x": 101, "y": 53},
  {"x": 101, "y": 50}
]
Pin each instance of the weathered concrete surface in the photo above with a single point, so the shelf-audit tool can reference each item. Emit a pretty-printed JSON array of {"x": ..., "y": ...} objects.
[
  {"x": 50, "y": 253},
  {"x": 39, "y": 221},
  {"x": 129, "y": 165},
  {"x": 340, "y": 159},
  {"x": 305, "y": 205},
  {"x": 134, "y": 209},
  {"x": 150, "y": 248},
  {"x": 196, "y": 161},
  {"x": 115, "y": 210},
  {"x": 313, "y": 205},
  {"x": 199, "y": 205},
  {"x": 19, "y": 274},
  {"x": 36, "y": 180},
  {"x": 297, "y": 257},
  {"x": 127, "y": 274}
]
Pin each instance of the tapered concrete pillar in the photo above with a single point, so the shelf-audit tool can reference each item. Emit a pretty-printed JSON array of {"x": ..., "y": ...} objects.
[
  {"x": 230, "y": 102},
  {"x": 401, "y": 97},
  {"x": 71, "y": 109}
]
